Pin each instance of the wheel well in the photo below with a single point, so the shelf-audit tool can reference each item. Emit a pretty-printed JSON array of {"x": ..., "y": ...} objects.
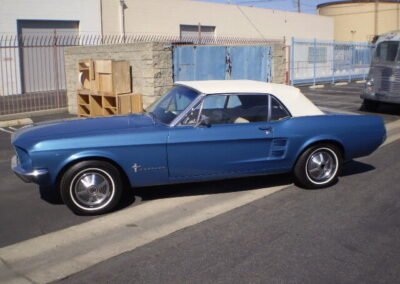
[
  {"x": 124, "y": 177},
  {"x": 332, "y": 142}
]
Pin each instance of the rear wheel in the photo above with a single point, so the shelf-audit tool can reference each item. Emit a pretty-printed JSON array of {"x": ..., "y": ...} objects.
[
  {"x": 370, "y": 105},
  {"x": 318, "y": 167},
  {"x": 91, "y": 187}
]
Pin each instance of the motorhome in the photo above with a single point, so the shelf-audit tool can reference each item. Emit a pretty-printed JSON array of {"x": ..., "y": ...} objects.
[{"x": 383, "y": 81}]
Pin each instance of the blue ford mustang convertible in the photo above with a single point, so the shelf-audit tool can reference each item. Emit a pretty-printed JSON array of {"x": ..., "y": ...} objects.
[{"x": 198, "y": 131}]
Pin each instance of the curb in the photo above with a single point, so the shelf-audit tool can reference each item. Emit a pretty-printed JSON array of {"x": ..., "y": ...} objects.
[
  {"x": 14, "y": 122},
  {"x": 341, "y": 84},
  {"x": 317, "y": 86}
]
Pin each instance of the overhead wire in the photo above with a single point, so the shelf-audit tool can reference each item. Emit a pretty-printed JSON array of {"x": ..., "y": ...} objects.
[{"x": 250, "y": 21}]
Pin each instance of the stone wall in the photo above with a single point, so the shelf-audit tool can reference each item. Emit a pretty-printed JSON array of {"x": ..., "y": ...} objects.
[
  {"x": 151, "y": 65},
  {"x": 279, "y": 63}
]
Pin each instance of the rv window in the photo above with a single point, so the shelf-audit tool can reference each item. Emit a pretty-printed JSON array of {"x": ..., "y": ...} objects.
[{"x": 387, "y": 51}]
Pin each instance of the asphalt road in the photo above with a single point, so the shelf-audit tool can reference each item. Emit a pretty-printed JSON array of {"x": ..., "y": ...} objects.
[
  {"x": 346, "y": 98},
  {"x": 349, "y": 233},
  {"x": 23, "y": 214}
]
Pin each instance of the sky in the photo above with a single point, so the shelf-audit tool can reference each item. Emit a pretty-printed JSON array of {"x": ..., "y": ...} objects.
[{"x": 307, "y": 6}]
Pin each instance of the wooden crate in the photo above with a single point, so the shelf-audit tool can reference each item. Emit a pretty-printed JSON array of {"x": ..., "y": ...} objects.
[
  {"x": 83, "y": 103},
  {"x": 86, "y": 75},
  {"x": 129, "y": 103},
  {"x": 109, "y": 105},
  {"x": 96, "y": 105},
  {"x": 93, "y": 105},
  {"x": 100, "y": 83},
  {"x": 112, "y": 77}
]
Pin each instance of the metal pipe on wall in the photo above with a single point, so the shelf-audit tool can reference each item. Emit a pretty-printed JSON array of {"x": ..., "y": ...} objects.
[
  {"x": 376, "y": 17},
  {"x": 398, "y": 14},
  {"x": 122, "y": 18}
]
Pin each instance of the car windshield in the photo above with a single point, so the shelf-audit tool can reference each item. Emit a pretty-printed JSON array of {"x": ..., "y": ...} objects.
[{"x": 169, "y": 106}]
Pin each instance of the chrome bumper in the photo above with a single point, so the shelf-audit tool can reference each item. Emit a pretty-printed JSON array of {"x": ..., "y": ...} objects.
[{"x": 27, "y": 176}]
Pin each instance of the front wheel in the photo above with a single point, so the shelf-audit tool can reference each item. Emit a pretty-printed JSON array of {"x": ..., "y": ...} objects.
[
  {"x": 318, "y": 167},
  {"x": 91, "y": 187}
]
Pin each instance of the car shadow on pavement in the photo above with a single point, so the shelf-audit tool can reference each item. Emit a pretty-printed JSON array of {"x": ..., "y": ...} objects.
[
  {"x": 355, "y": 167},
  {"x": 384, "y": 108},
  {"x": 213, "y": 187},
  {"x": 135, "y": 196},
  {"x": 50, "y": 195}
]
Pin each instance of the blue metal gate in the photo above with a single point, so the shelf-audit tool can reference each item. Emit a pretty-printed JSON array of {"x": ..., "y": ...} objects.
[{"x": 222, "y": 63}]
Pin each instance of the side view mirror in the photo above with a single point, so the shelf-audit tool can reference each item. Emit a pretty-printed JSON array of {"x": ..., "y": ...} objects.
[{"x": 204, "y": 121}]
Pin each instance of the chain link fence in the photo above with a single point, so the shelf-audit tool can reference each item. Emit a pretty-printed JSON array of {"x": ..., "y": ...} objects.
[
  {"x": 315, "y": 61},
  {"x": 32, "y": 73}
]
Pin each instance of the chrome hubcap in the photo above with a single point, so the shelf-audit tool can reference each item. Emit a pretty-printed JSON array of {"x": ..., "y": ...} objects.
[
  {"x": 92, "y": 189},
  {"x": 322, "y": 166}
]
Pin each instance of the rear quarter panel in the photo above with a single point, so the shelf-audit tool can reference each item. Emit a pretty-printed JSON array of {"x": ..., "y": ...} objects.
[{"x": 358, "y": 135}]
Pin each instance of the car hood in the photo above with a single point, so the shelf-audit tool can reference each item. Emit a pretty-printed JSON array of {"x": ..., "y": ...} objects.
[{"x": 78, "y": 127}]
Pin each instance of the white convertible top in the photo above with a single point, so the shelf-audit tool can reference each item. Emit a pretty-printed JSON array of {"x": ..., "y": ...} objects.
[{"x": 291, "y": 97}]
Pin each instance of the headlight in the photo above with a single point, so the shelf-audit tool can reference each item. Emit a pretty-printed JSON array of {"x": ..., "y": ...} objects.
[{"x": 370, "y": 82}]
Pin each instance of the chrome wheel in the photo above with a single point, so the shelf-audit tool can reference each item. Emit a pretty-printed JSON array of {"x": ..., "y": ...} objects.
[
  {"x": 92, "y": 189},
  {"x": 322, "y": 166}
]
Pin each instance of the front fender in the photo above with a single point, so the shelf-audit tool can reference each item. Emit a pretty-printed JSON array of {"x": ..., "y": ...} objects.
[{"x": 73, "y": 158}]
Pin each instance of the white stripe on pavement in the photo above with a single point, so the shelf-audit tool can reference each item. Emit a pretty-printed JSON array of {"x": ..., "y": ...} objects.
[
  {"x": 393, "y": 132},
  {"x": 393, "y": 125},
  {"x": 6, "y": 131},
  {"x": 391, "y": 139},
  {"x": 15, "y": 122},
  {"x": 56, "y": 255},
  {"x": 334, "y": 110}
]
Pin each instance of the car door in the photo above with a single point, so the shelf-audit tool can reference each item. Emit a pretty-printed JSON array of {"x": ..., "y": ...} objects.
[{"x": 224, "y": 136}]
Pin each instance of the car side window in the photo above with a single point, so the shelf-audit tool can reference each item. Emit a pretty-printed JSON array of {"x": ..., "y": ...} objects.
[
  {"x": 252, "y": 108},
  {"x": 230, "y": 109},
  {"x": 215, "y": 102},
  {"x": 212, "y": 106},
  {"x": 278, "y": 111}
]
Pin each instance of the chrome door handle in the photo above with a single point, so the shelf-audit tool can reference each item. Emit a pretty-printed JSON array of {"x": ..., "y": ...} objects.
[{"x": 266, "y": 129}]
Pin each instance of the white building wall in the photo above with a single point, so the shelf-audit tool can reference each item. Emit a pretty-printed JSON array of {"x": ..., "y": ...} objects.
[
  {"x": 164, "y": 17},
  {"x": 86, "y": 12}
]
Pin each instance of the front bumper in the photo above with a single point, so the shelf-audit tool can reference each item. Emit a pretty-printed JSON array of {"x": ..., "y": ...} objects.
[
  {"x": 27, "y": 176},
  {"x": 394, "y": 99}
]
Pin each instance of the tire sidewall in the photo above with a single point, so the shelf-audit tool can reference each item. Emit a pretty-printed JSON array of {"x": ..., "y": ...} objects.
[
  {"x": 72, "y": 175},
  {"x": 301, "y": 175}
]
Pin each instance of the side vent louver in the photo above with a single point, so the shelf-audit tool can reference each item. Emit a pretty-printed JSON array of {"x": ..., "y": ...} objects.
[
  {"x": 279, "y": 143},
  {"x": 278, "y": 148}
]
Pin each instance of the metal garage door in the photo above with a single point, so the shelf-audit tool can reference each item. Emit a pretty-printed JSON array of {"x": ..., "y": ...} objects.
[
  {"x": 222, "y": 62},
  {"x": 42, "y": 55}
]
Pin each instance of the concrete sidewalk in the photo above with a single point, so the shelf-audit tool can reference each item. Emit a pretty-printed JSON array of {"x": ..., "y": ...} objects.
[{"x": 33, "y": 119}]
